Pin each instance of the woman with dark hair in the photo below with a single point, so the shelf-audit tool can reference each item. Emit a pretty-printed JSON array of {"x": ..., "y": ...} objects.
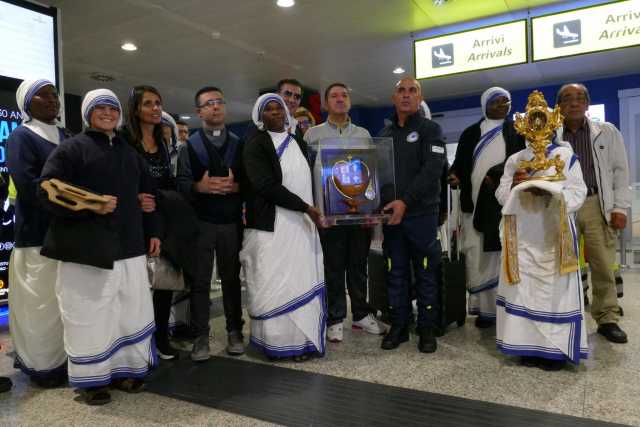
[{"x": 144, "y": 132}]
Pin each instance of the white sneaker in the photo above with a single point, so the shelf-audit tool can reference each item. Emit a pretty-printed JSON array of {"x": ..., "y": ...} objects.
[
  {"x": 369, "y": 324},
  {"x": 334, "y": 333}
]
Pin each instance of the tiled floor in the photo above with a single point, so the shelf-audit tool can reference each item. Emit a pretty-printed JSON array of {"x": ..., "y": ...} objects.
[{"x": 606, "y": 387}]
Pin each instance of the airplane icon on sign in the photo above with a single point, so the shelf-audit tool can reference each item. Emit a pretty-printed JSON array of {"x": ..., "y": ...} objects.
[
  {"x": 567, "y": 36},
  {"x": 568, "y": 33},
  {"x": 443, "y": 57}
]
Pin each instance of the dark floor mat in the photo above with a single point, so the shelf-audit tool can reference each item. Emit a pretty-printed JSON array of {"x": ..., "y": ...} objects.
[{"x": 291, "y": 397}]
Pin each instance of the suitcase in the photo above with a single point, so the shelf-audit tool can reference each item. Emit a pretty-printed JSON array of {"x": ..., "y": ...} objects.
[
  {"x": 377, "y": 275},
  {"x": 452, "y": 278}
]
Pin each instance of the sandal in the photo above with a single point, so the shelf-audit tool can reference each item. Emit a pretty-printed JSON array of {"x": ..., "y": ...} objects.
[
  {"x": 5, "y": 384},
  {"x": 129, "y": 385},
  {"x": 96, "y": 396},
  {"x": 301, "y": 358}
]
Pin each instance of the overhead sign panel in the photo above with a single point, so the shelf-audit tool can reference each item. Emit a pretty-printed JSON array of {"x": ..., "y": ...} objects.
[
  {"x": 473, "y": 50},
  {"x": 590, "y": 29}
]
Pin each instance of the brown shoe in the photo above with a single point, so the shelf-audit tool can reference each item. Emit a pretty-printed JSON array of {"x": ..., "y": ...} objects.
[{"x": 129, "y": 385}]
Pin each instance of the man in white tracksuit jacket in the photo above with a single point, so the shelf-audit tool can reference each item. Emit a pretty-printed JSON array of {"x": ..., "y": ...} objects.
[{"x": 601, "y": 150}]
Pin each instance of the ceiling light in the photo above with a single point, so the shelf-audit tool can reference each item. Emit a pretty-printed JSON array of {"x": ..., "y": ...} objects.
[
  {"x": 439, "y": 2},
  {"x": 101, "y": 77},
  {"x": 129, "y": 47},
  {"x": 398, "y": 70},
  {"x": 185, "y": 117},
  {"x": 285, "y": 3}
]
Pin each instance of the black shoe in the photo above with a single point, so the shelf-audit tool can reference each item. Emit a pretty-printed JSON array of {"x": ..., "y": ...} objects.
[
  {"x": 428, "y": 342},
  {"x": 50, "y": 382},
  {"x": 95, "y": 396},
  {"x": 613, "y": 333},
  {"x": 484, "y": 322},
  {"x": 5, "y": 384},
  {"x": 396, "y": 336},
  {"x": 551, "y": 364},
  {"x": 529, "y": 361},
  {"x": 201, "y": 349},
  {"x": 165, "y": 350},
  {"x": 235, "y": 344}
]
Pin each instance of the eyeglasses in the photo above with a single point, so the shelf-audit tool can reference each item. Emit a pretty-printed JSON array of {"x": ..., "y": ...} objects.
[
  {"x": 290, "y": 94},
  {"x": 581, "y": 99},
  {"x": 499, "y": 103},
  {"x": 212, "y": 102}
]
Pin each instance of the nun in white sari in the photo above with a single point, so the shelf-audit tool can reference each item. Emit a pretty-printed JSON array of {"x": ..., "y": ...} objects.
[
  {"x": 540, "y": 314},
  {"x": 102, "y": 281},
  {"x": 483, "y": 149},
  {"x": 35, "y": 322},
  {"x": 281, "y": 253}
]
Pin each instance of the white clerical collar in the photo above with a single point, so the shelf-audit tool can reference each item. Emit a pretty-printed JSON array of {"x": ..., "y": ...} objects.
[{"x": 45, "y": 130}]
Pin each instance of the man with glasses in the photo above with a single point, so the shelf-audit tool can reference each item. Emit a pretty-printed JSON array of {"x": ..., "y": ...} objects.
[
  {"x": 603, "y": 159},
  {"x": 291, "y": 91},
  {"x": 183, "y": 132},
  {"x": 207, "y": 166}
]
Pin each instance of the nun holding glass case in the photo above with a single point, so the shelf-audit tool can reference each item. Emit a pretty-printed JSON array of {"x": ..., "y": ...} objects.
[{"x": 353, "y": 179}]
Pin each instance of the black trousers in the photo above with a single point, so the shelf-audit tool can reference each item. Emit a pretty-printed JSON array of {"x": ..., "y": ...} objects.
[
  {"x": 223, "y": 242},
  {"x": 413, "y": 242},
  {"x": 346, "y": 250},
  {"x": 161, "y": 311}
]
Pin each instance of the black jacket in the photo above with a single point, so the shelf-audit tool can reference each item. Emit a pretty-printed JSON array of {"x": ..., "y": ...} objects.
[
  {"x": 463, "y": 164},
  {"x": 213, "y": 208},
  {"x": 178, "y": 229},
  {"x": 419, "y": 157},
  {"x": 105, "y": 166},
  {"x": 262, "y": 186},
  {"x": 27, "y": 153},
  {"x": 163, "y": 179}
]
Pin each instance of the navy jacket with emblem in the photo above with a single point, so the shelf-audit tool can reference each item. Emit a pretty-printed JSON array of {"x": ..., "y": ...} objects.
[{"x": 419, "y": 159}]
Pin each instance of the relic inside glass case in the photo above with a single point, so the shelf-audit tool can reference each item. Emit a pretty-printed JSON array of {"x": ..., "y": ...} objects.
[{"x": 353, "y": 179}]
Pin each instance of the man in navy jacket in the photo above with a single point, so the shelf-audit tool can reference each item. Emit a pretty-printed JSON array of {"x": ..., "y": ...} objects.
[{"x": 411, "y": 233}]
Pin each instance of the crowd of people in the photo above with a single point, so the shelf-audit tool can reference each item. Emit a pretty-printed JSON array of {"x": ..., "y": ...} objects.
[{"x": 81, "y": 307}]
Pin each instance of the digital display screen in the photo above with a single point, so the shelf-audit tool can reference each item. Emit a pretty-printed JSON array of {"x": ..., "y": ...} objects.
[{"x": 29, "y": 51}]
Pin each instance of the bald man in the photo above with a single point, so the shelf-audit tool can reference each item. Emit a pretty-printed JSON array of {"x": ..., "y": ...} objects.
[{"x": 411, "y": 234}]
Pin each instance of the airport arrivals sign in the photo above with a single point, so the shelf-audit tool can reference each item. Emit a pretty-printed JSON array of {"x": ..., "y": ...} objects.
[
  {"x": 473, "y": 50},
  {"x": 585, "y": 30}
]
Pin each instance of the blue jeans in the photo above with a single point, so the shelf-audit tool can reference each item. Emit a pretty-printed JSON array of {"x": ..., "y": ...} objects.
[{"x": 413, "y": 241}]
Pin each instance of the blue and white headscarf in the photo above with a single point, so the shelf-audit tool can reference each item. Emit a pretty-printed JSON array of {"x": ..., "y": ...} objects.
[
  {"x": 97, "y": 97},
  {"x": 426, "y": 111},
  {"x": 261, "y": 103},
  {"x": 25, "y": 93},
  {"x": 167, "y": 120},
  {"x": 491, "y": 94}
]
